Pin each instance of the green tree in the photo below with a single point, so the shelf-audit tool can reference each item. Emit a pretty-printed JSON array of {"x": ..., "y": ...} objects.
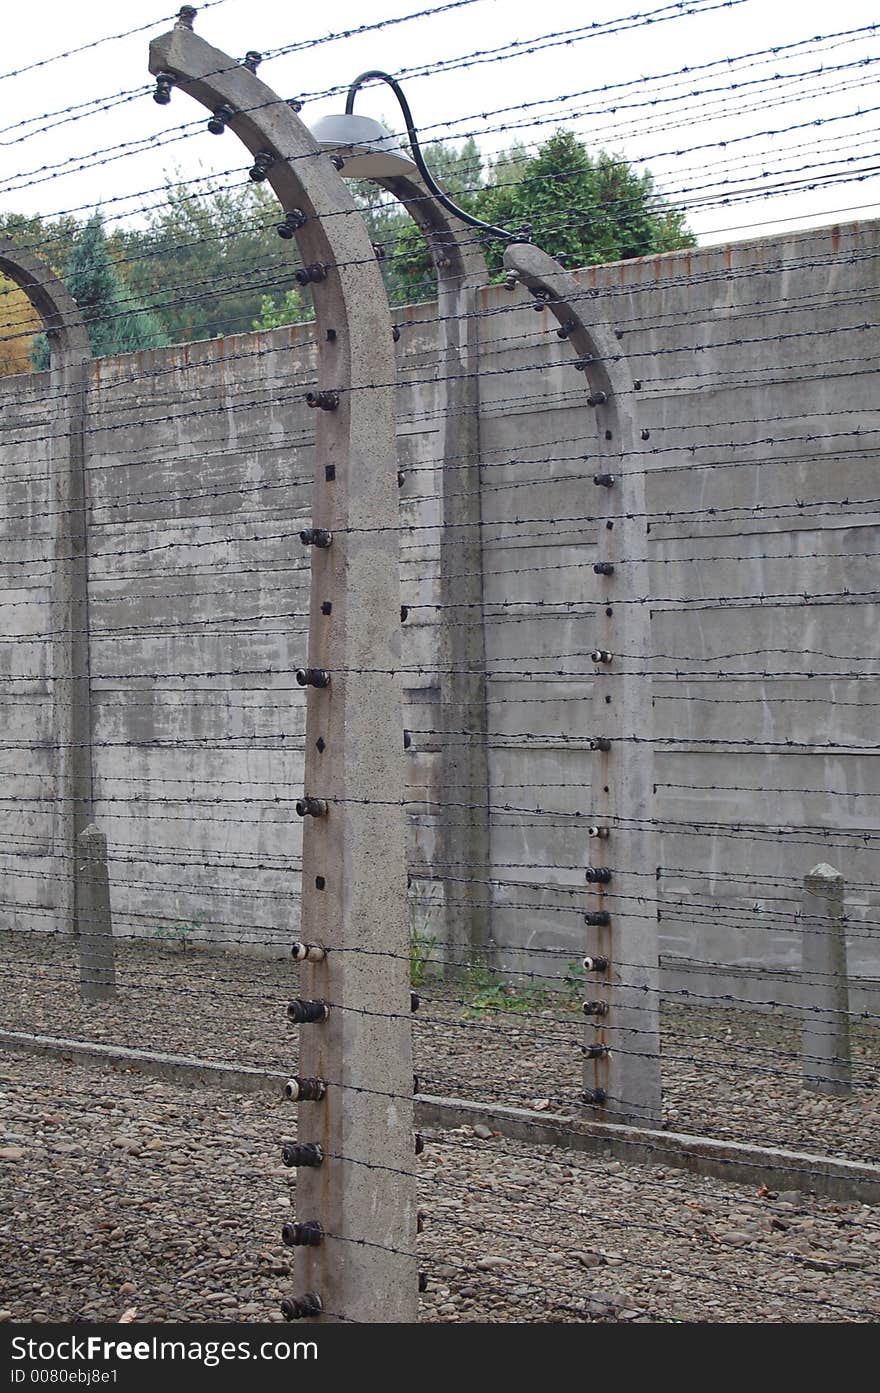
[
  {"x": 584, "y": 209},
  {"x": 204, "y": 262},
  {"x": 587, "y": 210},
  {"x": 115, "y": 324},
  {"x": 290, "y": 309}
]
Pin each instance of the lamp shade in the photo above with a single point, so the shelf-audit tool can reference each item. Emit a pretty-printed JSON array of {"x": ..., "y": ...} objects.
[{"x": 369, "y": 151}]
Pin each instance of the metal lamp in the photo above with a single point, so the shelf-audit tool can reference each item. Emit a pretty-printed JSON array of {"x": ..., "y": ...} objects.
[{"x": 369, "y": 151}]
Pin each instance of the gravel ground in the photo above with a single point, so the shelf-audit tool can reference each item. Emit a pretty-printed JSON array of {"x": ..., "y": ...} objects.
[
  {"x": 132, "y": 1200},
  {"x": 726, "y": 1073}
]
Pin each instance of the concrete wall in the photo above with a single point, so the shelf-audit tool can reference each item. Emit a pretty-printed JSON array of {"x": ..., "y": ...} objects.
[{"x": 758, "y": 366}]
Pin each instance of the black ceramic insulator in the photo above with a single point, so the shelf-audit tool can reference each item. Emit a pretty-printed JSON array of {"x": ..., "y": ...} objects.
[
  {"x": 302, "y": 1307},
  {"x": 601, "y": 655},
  {"x": 407, "y": 740},
  {"x": 565, "y": 329},
  {"x": 310, "y": 275},
  {"x": 164, "y": 83},
  {"x": 600, "y": 919},
  {"x": 597, "y": 399},
  {"x": 603, "y": 568},
  {"x": 595, "y": 1008},
  {"x": 307, "y": 1235},
  {"x": 395, "y": 333},
  {"x": 605, "y": 481},
  {"x": 597, "y": 964},
  {"x": 423, "y": 1281},
  {"x": 600, "y": 742},
  {"x": 263, "y": 162},
  {"x": 337, "y": 162},
  {"x": 415, "y": 1001},
  {"x": 305, "y": 1090},
  {"x": 218, "y": 122},
  {"x": 294, "y": 219},
  {"x": 308, "y": 952},
  {"x": 312, "y": 677},
  {"x": 597, "y": 875},
  {"x": 185, "y": 15},
  {"x": 303, "y": 1012},
  {"x": 420, "y": 1143},
  {"x": 327, "y": 401},
  {"x": 596, "y": 1097},
  {"x": 597, "y": 1051},
  {"x": 401, "y": 478},
  {"x": 597, "y": 830},
  {"x": 302, "y": 1154},
  {"x": 311, "y": 807},
  {"x": 252, "y": 60},
  {"x": 319, "y": 537}
]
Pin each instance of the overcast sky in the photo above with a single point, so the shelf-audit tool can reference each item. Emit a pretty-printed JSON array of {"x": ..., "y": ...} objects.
[{"x": 805, "y": 116}]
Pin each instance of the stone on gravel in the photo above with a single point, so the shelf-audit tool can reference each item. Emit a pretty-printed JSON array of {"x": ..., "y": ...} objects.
[{"x": 588, "y": 1259}]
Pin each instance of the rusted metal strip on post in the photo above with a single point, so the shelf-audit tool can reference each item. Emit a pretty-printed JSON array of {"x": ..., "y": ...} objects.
[
  {"x": 354, "y": 877},
  {"x": 464, "y": 845},
  {"x": 70, "y": 354},
  {"x": 622, "y": 1067}
]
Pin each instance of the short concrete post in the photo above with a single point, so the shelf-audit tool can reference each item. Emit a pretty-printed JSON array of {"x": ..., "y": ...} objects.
[
  {"x": 97, "y": 973},
  {"x": 825, "y": 1049},
  {"x": 355, "y": 1232}
]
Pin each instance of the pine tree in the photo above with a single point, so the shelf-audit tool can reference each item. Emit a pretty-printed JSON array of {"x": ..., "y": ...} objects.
[
  {"x": 586, "y": 209},
  {"x": 114, "y": 324}
]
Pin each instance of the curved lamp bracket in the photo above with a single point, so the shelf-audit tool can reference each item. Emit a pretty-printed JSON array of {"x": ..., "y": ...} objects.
[
  {"x": 353, "y": 886},
  {"x": 457, "y": 254},
  {"x": 304, "y": 179},
  {"x": 598, "y": 352},
  {"x": 50, "y": 297},
  {"x": 69, "y": 593},
  {"x": 621, "y": 1060}
]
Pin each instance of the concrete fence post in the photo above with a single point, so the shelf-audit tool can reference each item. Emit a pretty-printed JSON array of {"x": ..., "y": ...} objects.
[
  {"x": 69, "y": 602},
  {"x": 96, "y": 966},
  {"x": 355, "y": 1231},
  {"x": 622, "y": 1042},
  {"x": 825, "y": 1047},
  {"x": 463, "y": 814}
]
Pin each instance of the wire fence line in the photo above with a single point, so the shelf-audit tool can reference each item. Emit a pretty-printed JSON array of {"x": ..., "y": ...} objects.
[{"x": 636, "y": 646}]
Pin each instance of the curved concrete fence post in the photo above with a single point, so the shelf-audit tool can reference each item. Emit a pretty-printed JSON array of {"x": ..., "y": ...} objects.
[
  {"x": 464, "y": 833},
  {"x": 622, "y": 1062},
  {"x": 355, "y": 1234},
  {"x": 69, "y": 606}
]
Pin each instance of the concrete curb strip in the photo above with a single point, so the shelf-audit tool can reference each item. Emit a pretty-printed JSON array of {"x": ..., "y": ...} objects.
[{"x": 751, "y": 1165}]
